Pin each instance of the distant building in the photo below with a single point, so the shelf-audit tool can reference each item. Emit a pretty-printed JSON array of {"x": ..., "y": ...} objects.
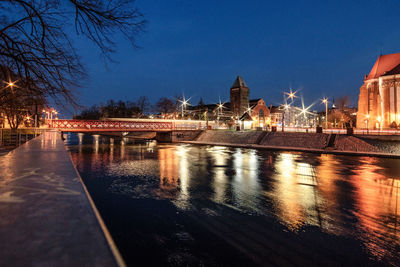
[
  {"x": 379, "y": 98},
  {"x": 251, "y": 113}
]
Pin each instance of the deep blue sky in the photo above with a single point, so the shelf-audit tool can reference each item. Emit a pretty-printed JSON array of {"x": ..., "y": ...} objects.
[{"x": 198, "y": 48}]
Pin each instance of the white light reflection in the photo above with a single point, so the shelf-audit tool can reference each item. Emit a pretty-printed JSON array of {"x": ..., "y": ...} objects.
[
  {"x": 246, "y": 187},
  {"x": 182, "y": 200},
  {"x": 96, "y": 143},
  {"x": 220, "y": 181}
]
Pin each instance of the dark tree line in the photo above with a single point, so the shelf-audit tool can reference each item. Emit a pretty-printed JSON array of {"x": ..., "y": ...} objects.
[
  {"x": 141, "y": 108},
  {"x": 117, "y": 109}
]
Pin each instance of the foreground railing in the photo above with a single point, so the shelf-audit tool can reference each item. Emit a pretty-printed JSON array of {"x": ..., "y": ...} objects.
[{"x": 12, "y": 137}]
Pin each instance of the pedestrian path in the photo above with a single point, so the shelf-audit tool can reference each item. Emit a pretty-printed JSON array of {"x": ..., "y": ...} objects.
[{"x": 47, "y": 217}]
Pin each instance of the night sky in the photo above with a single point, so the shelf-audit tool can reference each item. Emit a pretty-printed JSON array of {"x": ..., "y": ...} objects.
[{"x": 197, "y": 48}]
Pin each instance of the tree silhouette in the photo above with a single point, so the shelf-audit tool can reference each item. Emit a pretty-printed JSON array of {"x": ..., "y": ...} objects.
[{"x": 35, "y": 39}]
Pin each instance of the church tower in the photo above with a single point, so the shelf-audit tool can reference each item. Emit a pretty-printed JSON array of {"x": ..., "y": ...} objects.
[{"x": 239, "y": 97}]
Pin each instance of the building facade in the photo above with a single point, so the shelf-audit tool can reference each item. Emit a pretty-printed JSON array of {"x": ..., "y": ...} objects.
[
  {"x": 260, "y": 113},
  {"x": 379, "y": 98}
]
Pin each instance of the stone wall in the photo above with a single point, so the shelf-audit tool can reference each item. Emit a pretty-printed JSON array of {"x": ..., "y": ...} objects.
[
  {"x": 231, "y": 137},
  {"x": 178, "y": 136},
  {"x": 296, "y": 140},
  {"x": 351, "y": 143},
  {"x": 304, "y": 140}
]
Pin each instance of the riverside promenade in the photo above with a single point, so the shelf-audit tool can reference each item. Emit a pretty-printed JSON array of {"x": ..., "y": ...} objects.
[{"x": 47, "y": 217}]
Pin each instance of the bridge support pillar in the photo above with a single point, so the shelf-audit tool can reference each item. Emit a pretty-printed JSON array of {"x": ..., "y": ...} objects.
[
  {"x": 111, "y": 141},
  {"x": 164, "y": 137}
]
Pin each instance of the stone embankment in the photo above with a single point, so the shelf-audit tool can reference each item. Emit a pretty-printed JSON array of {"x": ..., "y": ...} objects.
[
  {"x": 305, "y": 140},
  {"x": 230, "y": 137},
  {"x": 312, "y": 142}
]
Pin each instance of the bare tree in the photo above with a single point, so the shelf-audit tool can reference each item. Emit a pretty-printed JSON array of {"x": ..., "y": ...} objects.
[
  {"x": 165, "y": 105},
  {"x": 17, "y": 100},
  {"x": 342, "y": 102},
  {"x": 35, "y": 39},
  {"x": 143, "y": 104}
]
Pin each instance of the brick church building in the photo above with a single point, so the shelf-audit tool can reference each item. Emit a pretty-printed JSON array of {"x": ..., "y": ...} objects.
[{"x": 379, "y": 98}]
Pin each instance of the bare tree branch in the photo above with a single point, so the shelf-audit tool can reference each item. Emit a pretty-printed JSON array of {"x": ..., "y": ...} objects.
[{"x": 35, "y": 41}]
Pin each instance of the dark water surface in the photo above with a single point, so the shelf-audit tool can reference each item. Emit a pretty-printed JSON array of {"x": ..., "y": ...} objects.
[{"x": 186, "y": 205}]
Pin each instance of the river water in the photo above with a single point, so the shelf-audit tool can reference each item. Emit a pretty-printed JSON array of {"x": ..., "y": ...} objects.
[{"x": 188, "y": 205}]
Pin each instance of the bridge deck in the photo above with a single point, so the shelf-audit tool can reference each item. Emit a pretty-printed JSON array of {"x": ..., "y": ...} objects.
[{"x": 46, "y": 217}]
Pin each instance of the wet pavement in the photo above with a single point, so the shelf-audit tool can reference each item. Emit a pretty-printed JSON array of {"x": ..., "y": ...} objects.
[
  {"x": 188, "y": 205},
  {"x": 46, "y": 218}
]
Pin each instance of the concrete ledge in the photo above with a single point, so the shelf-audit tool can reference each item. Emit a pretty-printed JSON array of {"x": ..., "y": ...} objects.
[
  {"x": 47, "y": 218},
  {"x": 311, "y": 150}
]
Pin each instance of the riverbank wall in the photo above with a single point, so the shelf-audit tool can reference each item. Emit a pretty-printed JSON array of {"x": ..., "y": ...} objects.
[{"x": 308, "y": 142}]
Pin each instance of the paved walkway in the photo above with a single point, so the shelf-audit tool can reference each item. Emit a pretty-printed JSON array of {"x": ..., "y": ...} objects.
[{"x": 46, "y": 217}]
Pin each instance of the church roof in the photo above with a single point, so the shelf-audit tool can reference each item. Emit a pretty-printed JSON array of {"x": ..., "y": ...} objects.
[
  {"x": 384, "y": 64},
  {"x": 239, "y": 82},
  {"x": 395, "y": 70},
  {"x": 253, "y": 102}
]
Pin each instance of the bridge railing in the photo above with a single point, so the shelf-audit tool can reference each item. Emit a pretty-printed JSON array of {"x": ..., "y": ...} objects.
[{"x": 125, "y": 125}]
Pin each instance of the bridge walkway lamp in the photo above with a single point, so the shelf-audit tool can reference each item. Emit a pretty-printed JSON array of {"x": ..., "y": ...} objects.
[
  {"x": 325, "y": 101},
  {"x": 367, "y": 120}
]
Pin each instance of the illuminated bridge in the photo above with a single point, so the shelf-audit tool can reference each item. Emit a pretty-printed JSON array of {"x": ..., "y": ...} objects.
[
  {"x": 161, "y": 130},
  {"x": 126, "y": 125}
]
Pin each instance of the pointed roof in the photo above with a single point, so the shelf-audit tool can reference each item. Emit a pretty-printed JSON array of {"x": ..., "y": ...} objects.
[
  {"x": 245, "y": 117},
  {"x": 239, "y": 82},
  {"x": 384, "y": 64}
]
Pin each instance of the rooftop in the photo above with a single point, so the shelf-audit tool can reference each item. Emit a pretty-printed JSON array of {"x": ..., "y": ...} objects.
[
  {"x": 384, "y": 65},
  {"x": 239, "y": 82}
]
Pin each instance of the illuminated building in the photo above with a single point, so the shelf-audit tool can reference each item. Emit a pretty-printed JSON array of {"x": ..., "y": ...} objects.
[{"x": 379, "y": 98}]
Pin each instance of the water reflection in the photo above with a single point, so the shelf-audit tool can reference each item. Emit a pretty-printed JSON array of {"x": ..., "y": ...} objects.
[{"x": 354, "y": 197}]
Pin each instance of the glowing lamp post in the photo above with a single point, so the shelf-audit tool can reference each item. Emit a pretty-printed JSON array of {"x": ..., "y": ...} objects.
[
  {"x": 325, "y": 101},
  {"x": 184, "y": 103}
]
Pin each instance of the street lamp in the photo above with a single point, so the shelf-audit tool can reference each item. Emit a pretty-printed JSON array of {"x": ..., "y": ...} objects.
[
  {"x": 184, "y": 102},
  {"x": 367, "y": 123},
  {"x": 325, "y": 101},
  {"x": 291, "y": 95}
]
